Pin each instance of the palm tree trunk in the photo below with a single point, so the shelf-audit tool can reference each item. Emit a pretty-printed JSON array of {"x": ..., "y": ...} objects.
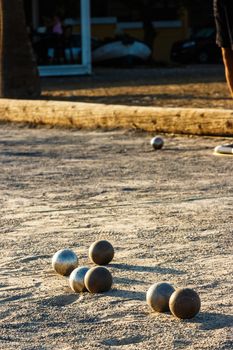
[{"x": 19, "y": 76}]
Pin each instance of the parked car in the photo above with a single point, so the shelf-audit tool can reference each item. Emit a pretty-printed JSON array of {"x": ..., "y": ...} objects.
[{"x": 201, "y": 48}]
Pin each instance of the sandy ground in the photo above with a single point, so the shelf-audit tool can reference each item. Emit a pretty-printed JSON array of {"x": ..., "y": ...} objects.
[
  {"x": 192, "y": 86},
  {"x": 168, "y": 214}
]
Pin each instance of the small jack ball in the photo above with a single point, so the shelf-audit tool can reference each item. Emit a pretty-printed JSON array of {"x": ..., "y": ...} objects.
[
  {"x": 101, "y": 252},
  {"x": 64, "y": 262},
  {"x": 76, "y": 279},
  {"x": 98, "y": 279},
  {"x": 185, "y": 303},
  {"x": 157, "y": 142},
  {"x": 158, "y": 295}
]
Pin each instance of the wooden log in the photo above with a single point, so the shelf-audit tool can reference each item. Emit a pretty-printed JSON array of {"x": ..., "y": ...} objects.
[{"x": 216, "y": 122}]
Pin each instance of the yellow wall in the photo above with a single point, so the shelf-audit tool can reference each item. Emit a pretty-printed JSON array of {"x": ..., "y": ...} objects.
[
  {"x": 102, "y": 31},
  {"x": 163, "y": 41}
]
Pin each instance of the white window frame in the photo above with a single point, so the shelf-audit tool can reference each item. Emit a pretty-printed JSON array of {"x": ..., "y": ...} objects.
[{"x": 70, "y": 69}]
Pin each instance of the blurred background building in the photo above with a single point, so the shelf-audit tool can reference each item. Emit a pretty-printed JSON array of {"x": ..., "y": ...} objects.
[{"x": 158, "y": 23}]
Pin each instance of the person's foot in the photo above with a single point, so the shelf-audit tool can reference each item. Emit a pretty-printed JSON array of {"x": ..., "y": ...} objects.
[{"x": 224, "y": 149}]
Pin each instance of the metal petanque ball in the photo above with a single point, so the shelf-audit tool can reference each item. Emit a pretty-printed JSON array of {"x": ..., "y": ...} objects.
[
  {"x": 98, "y": 279},
  {"x": 157, "y": 296},
  {"x": 64, "y": 261},
  {"x": 76, "y": 279},
  {"x": 157, "y": 142},
  {"x": 185, "y": 303},
  {"x": 101, "y": 252}
]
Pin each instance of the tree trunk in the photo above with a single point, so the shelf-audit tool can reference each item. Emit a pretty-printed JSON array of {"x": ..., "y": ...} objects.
[{"x": 19, "y": 76}]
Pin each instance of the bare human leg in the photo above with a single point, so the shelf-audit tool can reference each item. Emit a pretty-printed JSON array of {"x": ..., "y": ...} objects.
[{"x": 227, "y": 55}]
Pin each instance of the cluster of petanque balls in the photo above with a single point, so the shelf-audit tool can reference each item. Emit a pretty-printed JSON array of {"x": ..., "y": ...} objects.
[
  {"x": 183, "y": 303},
  {"x": 97, "y": 279}
]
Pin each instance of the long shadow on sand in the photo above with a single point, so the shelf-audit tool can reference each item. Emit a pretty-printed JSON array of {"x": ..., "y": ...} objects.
[
  {"x": 127, "y": 294},
  {"x": 214, "y": 320},
  {"x": 134, "y": 99},
  {"x": 154, "y": 269},
  {"x": 60, "y": 300},
  {"x": 129, "y": 281},
  {"x": 112, "y": 77}
]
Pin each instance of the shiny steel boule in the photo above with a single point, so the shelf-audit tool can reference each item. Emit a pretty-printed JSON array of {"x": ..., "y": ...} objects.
[
  {"x": 157, "y": 142},
  {"x": 76, "y": 279},
  {"x": 101, "y": 252},
  {"x": 185, "y": 303},
  {"x": 157, "y": 296},
  {"x": 98, "y": 279},
  {"x": 64, "y": 262}
]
